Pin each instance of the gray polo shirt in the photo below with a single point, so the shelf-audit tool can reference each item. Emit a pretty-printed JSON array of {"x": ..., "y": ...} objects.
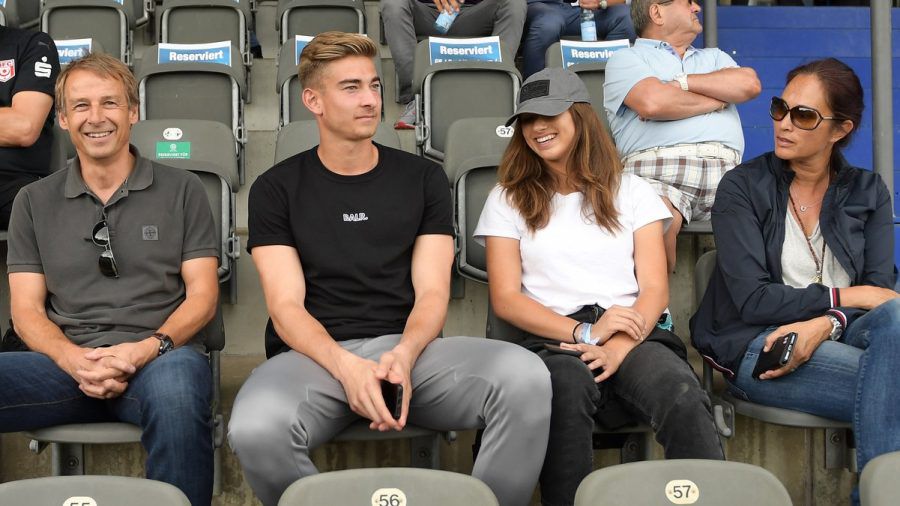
[{"x": 157, "y": 219}]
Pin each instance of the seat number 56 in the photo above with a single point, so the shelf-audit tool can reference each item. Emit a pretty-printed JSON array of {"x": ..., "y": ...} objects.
[{"x": 388, "y": 497}]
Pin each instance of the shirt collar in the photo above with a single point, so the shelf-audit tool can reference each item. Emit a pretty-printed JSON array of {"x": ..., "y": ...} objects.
[
  {"x": 140, "y": 178},
  {"x": 665, "y": 46}
]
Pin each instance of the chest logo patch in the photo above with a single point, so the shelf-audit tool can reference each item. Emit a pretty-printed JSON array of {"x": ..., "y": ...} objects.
[
  {"x": 7, "y": 70},
  {"x": 150, "y": 233},
  {"x": 355, "y": 217},
  {"x": 42, "y": 68}
]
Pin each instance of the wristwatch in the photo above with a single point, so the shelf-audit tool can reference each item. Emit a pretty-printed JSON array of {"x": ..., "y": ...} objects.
[
  {"x": 682, "y": 80},
  {"x": 836, "y": 328},
  {"x": 603, "y": 4},
  {"x": 165, "y": 343}
]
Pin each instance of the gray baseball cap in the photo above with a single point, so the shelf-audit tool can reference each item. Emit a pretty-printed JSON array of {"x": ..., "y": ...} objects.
[{"x": 549, "y": 92}]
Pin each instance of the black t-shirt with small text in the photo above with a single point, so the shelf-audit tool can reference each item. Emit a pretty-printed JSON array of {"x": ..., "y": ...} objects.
[
  {"x": 28, "y": 62},
  {"x": 354, "y": 236}
]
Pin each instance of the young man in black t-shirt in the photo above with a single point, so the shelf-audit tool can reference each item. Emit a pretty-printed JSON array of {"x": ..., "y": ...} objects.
[
  {"x": 29, "y": 65},
  {"x": 353, "y": 242}
]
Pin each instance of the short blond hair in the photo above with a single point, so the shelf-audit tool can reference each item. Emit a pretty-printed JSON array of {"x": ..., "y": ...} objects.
[
  {"x": 103, "y": 65},
  {"x": 328, "y": 47}
]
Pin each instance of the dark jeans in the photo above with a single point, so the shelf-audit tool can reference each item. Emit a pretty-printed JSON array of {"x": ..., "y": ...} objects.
[
  {"x": 657, "y": 386},
  {"x": 169, "y": 399}
]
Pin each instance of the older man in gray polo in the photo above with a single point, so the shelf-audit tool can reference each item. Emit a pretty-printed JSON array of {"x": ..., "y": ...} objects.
[
  {"x": 671, "y": 109},
  {"x": 112, "y": 273}
]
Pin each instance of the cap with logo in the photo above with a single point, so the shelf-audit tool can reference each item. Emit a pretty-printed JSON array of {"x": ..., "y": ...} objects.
[{"x": 549, "y": 92}]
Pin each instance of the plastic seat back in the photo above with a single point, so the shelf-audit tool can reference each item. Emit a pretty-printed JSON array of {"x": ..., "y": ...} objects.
[
  {"x": 312, "y": 17},
  {"x": 389, "y": 486},
  {"x": 696, "y": 482},
  {"x": 106, "y": 21},
  {"x": 91, "y": 490}
]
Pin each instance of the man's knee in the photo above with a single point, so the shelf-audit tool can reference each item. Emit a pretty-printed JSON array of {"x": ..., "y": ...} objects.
[
  {"x": 545, "y": 21},
  {"x": 396, "y": 10},
  {"x": 178, "y": 384},
  {"x": 524, "y": 383}
]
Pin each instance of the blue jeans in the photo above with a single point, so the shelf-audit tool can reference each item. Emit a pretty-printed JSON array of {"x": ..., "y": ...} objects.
[
  {"x": 169, "y": 399},
  {"x": 545, "y": 23},
  {"x": 853, "y": 379}
]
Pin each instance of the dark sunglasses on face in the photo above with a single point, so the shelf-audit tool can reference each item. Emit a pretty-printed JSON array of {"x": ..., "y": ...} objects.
[
  {"x": 803, "y": 117},
  {"x": 107, "y": 261}
]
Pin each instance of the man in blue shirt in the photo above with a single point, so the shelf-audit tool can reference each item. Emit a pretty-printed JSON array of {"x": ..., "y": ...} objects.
[{"x": 671, "y": 109}]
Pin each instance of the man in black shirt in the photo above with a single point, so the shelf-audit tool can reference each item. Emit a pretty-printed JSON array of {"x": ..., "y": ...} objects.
[
  {"x": 29, "y": 65},
  {"x": 353, "y": 242}
]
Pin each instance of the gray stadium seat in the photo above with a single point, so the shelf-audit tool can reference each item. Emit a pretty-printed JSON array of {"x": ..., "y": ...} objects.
[
  {"x": 195, "y": 90},
  {"x": 312, "y": 17},
  {"x": 91, "y": 490},
  {"x": 474, "y": 150},
  {"x": 593, "y": 75},
  {"x": 106, "y": 21},
  {"x": 216, "y": 167},
  {"x": 389, "y": 486},
  {"x": 448, "y": 91},
  {"x": 298, "y": 136},
  {"x": 697, "y": 482},
  {"x": 287, "y": 85},
  {"x": 838, "y": 435},
  {"x": 9, "y": 14},
  {"x": 67, "y": 441},
  {"x": 878, "y": 484},
  {"x": 198, "y": 21}
]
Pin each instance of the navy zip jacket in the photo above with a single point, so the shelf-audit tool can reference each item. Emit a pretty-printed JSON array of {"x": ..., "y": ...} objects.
[{"x": 746, "y": 293}]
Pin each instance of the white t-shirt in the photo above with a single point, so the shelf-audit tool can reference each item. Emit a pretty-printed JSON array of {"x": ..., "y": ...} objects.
[{"x": 573, "y": 262}]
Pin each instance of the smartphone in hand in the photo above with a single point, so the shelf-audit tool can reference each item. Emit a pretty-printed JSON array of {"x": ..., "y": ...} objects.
[
  {"x": 777, "y": 356},
  {"x": 555, "y": 348},
  {"x": 393, "y": 398}
]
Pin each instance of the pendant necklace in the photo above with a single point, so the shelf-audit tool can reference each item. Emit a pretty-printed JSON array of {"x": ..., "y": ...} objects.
[{"x": 817, "y": 260}]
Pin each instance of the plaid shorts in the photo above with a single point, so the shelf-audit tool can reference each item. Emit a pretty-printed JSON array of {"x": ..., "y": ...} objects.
[{"x": 688, "y": 182}]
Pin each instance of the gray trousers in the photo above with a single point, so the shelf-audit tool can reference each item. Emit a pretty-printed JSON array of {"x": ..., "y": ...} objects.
[
  {"x": 291, "y": 405},
  {"x": 404, "y": 19}
]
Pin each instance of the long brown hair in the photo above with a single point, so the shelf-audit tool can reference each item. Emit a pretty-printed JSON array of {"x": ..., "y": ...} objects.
[{"x": 593, "y": 167}]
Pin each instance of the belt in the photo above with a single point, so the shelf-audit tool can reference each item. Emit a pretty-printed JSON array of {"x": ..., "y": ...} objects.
[{"x": 698, "y": 150}]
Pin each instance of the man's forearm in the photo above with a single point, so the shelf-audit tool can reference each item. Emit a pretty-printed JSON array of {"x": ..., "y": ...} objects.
[
  {"x": 40, "y": 334},
  {"x": 189, "y": 317},
  {"x": 425, "y": 322},
  {"x": 306, "y": 335},
  {"x": 731, "y": 85},
  {"x": 668, "y": 103},
  {"x": 18, "y": 130}
]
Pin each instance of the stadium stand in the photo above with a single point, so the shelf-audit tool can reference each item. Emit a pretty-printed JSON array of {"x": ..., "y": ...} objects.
[
  {"x": 389, "y": 486},
  {"x": 91, "y": 490},
  {"x": 109, "y": 22},
  {"x": 195, "y": 82},
  {"x": 312, "y": 17},
  {"x": 697, "y": 482},
  {"x": 839, "y": 452},
  {"x": 451, "y": 90}
]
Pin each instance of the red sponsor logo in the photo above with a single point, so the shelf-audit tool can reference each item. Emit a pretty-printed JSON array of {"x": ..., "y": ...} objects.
[{"x": 7, "y": 70}]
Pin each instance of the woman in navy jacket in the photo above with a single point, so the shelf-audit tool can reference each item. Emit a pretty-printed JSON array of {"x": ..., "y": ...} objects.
[{"x": 806, "y": 245}]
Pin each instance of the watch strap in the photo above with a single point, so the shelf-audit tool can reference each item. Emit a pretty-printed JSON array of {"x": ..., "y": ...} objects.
[{"x": 165, "y": 343}]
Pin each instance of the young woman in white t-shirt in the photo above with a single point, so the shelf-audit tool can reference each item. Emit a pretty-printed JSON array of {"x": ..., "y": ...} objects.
[{"x": 575, "y": 258}]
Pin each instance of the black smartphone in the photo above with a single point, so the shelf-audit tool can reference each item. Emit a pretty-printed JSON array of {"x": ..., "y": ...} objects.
[
  {"x": 393, "y": 398},
  {"x": 555, "y": 348},
  {"x": 777, "y": 356}
]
